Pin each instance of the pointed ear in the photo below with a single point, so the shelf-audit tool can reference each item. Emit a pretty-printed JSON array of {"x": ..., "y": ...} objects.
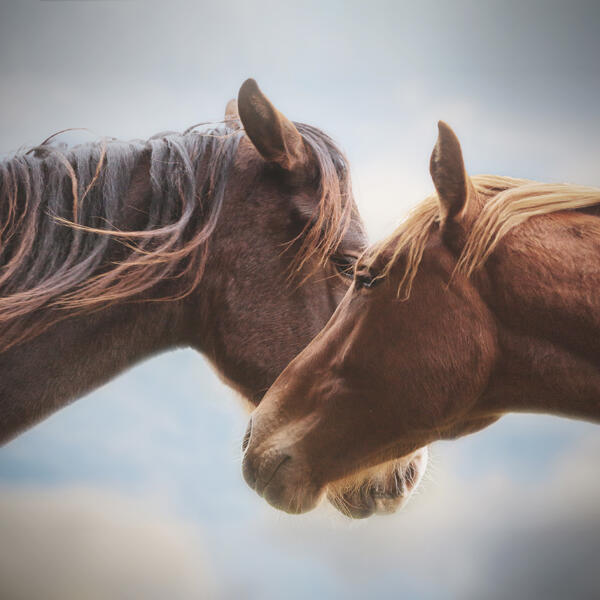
[
  {"x": 448, "y": 173},
  {"x": 232, "y": 116},
  {"x": 273, "y": 135}
]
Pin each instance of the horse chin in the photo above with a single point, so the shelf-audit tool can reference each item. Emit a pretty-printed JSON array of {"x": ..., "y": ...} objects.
[
  {"x": 278, "y": 470},
  {"x": 379, "y": 491}
]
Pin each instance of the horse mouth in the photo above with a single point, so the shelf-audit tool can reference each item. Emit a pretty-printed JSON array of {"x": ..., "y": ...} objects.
[
  {"x": 366, "y": 501},
  {"x": 376, "y": 497},
  {"x": 261, "y": 486}
]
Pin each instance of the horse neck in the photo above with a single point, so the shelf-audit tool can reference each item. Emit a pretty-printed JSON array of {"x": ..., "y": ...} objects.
[
  {"x": 81, "y": 352},
  {"x": 544, "y": 281},
  {"x": 77, "y": 355}
]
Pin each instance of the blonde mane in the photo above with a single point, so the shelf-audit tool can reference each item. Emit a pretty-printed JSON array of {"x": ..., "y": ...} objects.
[{"x": 508, "y": 202}]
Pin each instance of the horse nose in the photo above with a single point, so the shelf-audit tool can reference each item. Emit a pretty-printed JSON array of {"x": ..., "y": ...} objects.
[{"x": 247, "y": 435}]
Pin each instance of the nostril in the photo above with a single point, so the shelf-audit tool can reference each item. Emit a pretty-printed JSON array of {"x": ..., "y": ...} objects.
[{"x": 247, "y": 435}]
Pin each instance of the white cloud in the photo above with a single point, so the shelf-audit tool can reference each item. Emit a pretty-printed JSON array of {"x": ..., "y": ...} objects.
[
  {"x": 78, "y": 543},
  {"x": 486, "y": 537},
  {"x": 394, "y": 176},
  {"x": 464, "y": 537}
]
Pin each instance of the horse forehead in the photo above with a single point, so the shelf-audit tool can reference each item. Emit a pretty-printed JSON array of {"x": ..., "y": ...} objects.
[
  {"x": 438, "y": 253},
  {"x": 249, "y": 161},
  {"x": 252, "y": 171},
  {"x": 356, "y": 236}
]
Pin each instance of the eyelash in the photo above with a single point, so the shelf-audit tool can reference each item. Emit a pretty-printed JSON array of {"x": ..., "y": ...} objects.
[
  {"x": 344, "y": 265},
  {"x": 365, "y": 280}
]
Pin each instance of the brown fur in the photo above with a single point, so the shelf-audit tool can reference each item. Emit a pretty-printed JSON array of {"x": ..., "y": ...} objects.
[
  {"x": 497, "y": 312},
  {"x": 115, "y": 251},
  {"x": 236, "y": 242}
]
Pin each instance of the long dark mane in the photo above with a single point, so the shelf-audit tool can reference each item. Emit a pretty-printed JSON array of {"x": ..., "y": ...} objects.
[{"x": 66, "y": 241}]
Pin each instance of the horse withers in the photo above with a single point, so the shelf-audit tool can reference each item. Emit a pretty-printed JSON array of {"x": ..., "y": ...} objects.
[{"x": 483, "y": 302}]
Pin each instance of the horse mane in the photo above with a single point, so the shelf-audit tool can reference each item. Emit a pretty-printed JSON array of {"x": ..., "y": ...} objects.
[
  {"x": 64, "y": 244},
  {"x": 508, "y": 202}
]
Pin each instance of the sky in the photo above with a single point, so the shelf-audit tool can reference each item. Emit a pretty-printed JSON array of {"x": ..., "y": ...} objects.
[{"x": 135, "y": 491}]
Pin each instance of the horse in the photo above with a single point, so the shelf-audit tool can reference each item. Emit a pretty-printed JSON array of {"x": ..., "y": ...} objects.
[
  {"x": 483, "y": 302},
  {"x": 234, "y": 238}
]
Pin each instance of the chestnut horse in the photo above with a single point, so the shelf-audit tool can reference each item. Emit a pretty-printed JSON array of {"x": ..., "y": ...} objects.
[
  {"x": 236, "y": 240},
  {"x": 485, "y": 301}
]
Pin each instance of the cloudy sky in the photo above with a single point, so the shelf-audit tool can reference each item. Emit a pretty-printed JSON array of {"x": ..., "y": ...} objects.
[{"x": 135, "y": 491}]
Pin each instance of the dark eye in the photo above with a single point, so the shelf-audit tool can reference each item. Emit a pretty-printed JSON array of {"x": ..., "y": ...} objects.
[
  {"x": 344, "y": 264},
  {"x": 364, "y": 279}
]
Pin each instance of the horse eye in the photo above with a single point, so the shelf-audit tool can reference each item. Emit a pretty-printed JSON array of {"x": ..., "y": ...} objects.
[
  {"x": 344, "y": 265},
  {"x": 365, "y": 279}
]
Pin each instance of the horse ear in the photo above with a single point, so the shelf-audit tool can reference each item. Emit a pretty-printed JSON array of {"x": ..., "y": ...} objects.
[
  {"x": 448, "y": 173},
  {"x": 232, "y": 116},
  {"x": 273, "y": 135}
]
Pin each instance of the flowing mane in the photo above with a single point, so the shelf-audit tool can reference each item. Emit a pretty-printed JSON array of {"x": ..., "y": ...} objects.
[
  {"x": 383, "y": 380},
  {"x": 66, "y": 241},
  {"x": 508, "y": 203}
]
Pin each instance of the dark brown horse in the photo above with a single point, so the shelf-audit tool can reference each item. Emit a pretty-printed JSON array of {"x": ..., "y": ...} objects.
[
  {"x": 236, "y": 240},
  {"x": 485, "y": 301}
]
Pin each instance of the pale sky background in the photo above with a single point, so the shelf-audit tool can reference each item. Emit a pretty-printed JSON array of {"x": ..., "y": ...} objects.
[{"x": 135, "y": 491}]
